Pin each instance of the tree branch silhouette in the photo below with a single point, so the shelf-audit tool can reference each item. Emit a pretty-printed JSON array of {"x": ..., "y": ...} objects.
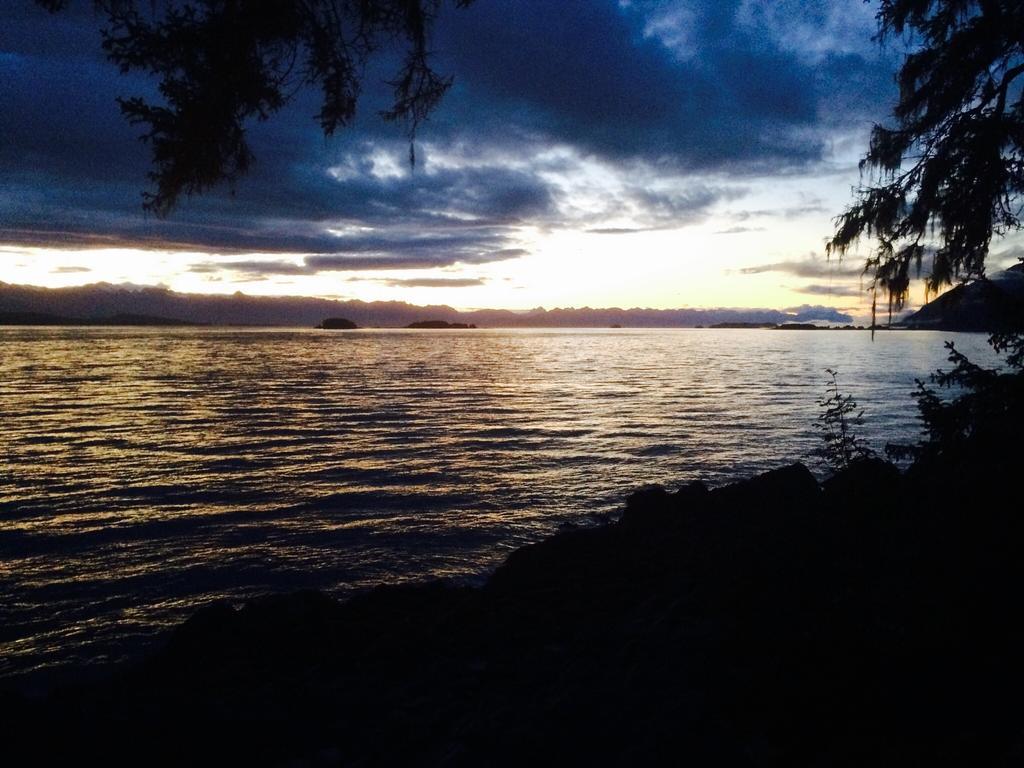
[
  {"x": 224, "y": 63},
  {"x": 950, "y": 174}
]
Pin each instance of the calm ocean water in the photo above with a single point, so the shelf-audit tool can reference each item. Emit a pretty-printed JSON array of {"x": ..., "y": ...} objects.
[{"x": 144, "y": 472}]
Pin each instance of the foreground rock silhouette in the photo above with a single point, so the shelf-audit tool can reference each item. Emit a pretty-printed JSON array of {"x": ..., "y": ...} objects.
[{"x": 872, "y": 620}]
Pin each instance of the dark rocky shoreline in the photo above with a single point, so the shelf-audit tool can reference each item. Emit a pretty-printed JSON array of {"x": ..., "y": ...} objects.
[{"x": 871, "y": 620}]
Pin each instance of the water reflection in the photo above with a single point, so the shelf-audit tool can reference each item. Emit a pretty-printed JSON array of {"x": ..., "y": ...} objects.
[{"x": 146, "y": 470}]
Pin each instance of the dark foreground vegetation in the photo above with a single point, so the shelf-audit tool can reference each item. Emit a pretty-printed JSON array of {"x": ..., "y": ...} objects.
[{"x": 873, "y": 620}]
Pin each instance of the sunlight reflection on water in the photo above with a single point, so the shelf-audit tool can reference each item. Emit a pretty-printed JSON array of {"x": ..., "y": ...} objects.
[{"x": 146, "y": 471}]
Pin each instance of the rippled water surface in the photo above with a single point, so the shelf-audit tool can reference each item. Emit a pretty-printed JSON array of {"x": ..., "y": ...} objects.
[{"x": 144, "y": 472}]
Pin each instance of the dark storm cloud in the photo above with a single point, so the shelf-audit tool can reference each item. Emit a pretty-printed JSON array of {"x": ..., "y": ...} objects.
[
  {"x": 593, "y": 75},
  {"x": 71, "y": 171},
  {"x": 466, "y": 214},
  {"x": 614, "y": 83}
]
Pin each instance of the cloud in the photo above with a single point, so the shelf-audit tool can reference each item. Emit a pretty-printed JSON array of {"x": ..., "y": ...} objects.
[
  {"x": 252, "y": 269},
  {"x": 816, "y": 289},
  {"x": 1007, "y": 257},
  {"x": 811, "y": 267},
  {"x": 789, "y": 212},
  {"x": 814, "y": 267},
  {"x": 381, "y": 254},
  {"x": 69, "y": 270},
  {"x": 739, "y": 230},
  {"x": 602, "y": 116},
  {"x": 574, "y": 70},
  {"x": 435, "y": 282},
  {"x": 360, "y": 263},
  {"x": 616, "y": 230},
  {"x": 300, "y": 213}
]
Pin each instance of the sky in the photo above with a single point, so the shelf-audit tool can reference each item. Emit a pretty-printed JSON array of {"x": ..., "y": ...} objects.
[{"x": 640, "y": 153}]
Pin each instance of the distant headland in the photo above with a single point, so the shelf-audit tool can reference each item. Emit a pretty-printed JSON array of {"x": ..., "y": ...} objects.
[
  {"x": 985, "y": 303},
  {"x": 123, "y": 319},
  {"x": 99, "y": 301}
]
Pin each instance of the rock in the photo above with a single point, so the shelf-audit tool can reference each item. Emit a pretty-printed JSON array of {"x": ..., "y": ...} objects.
[
  {"x": 214, "y": 620},
  {"x": 691, "y": 494},
  {"x": 782, "y": 488},
  {"x": 862, "y": 481},
  {"x": 645, "y": 503},
  {"x": 743, "y": 625},
  {"x": 654, "y": 506}
]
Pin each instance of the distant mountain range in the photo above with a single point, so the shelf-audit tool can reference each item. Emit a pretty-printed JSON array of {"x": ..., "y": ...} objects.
[
  {"x": 988, "y": 304},
  {"x": 104, "y": 303},
  {"x": 43, "y": 318}
]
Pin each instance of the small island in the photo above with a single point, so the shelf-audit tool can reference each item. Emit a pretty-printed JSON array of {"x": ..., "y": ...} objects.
[
  {"x": 337, "y": 324},
  {"x": 813, "y": 327},
  {"x": 440, "y": 324},
  {"x": 787, "y": 327},
  {"x": 740, "y": 325}
]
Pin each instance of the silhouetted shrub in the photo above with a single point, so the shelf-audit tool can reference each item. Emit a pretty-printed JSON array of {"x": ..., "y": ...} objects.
[
  {"x": 982, "y": 425},
  {"x": 836, "y": 425}
]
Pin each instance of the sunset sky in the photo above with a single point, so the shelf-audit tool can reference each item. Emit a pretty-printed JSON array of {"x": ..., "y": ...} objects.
[{"x": 591, "y": 153}]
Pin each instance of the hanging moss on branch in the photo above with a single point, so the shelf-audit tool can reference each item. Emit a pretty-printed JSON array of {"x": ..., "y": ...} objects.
[{"x": 948, "y": 174}]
